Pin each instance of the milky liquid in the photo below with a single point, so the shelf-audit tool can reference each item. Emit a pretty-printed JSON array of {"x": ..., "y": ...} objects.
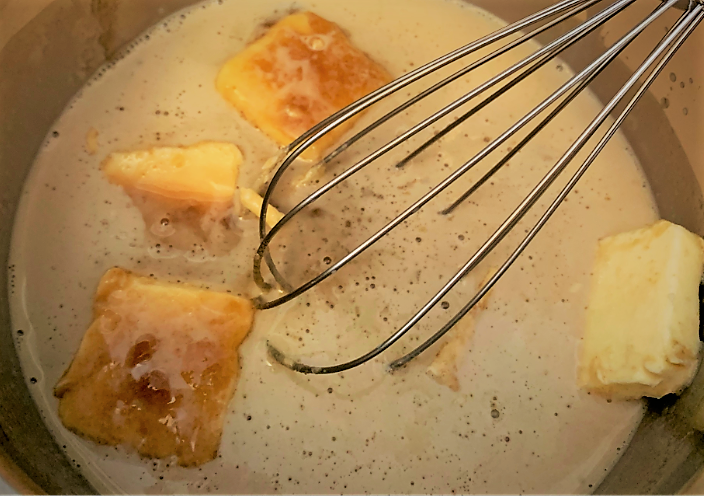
[{"x": 518, "y": 424}]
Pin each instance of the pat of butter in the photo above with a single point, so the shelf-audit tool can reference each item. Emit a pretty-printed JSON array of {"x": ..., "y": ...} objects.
[
  {"x": 301, "y": 71},
  {"x": 205, "y": 172},
  {"x": 253, "y": 202},
  {"x": 157, "y": 368},
  {"x": 642, "y": 328}
]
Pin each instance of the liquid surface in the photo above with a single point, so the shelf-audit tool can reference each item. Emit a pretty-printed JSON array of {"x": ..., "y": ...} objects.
[{"x": 518, "y": 423}]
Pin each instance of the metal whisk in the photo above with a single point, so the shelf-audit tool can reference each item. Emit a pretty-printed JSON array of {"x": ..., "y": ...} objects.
[{"x": 544, "y": 20}]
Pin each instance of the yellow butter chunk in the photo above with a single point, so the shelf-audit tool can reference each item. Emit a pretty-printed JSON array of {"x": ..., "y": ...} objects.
[
  {"x": 205, "y": 172},
  {"x": 642, "y": 328},
  {"x": 253, "y": 202},
  {"x": 301, "y": 71},
  {"x": 156, "y": 368}
]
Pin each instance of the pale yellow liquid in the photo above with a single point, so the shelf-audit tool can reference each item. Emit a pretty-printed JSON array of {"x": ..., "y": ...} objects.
[{"x": 364, "y": 430}]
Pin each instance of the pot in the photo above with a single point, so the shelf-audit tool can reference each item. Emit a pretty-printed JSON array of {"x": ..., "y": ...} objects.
[{"x": 50, "y": 48}]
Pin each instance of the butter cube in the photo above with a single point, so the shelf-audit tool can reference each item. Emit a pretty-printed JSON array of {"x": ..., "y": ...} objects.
[
  {"x": 642, "y": 326},
  {"x": 206, "y": 172},
  {"x": 156, "y": 369},
  {"x": 253, "y": 202},
  {"x": 301, "y": 71}
]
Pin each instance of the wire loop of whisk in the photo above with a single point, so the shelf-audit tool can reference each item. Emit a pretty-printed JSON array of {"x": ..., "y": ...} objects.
[
  {"x": 674, "y": 40},
  {"x": 654, "y": 63},
  {"x": 290, "y": 153},
  {"x": 549, "y": 51}
]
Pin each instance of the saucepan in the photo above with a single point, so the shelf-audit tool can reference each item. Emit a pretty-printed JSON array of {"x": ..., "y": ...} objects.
[{"x": 50, "y": 48}]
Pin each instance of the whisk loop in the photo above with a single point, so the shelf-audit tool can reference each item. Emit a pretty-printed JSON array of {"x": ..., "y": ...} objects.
[{"x": 559, "y": 99}]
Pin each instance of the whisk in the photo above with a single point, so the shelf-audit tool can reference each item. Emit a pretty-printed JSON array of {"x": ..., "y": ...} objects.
[{"x": 636, "y": 86}]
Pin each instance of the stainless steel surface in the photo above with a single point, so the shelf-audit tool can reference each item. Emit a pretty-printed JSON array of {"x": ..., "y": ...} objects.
[
  {"x": 49, "y": 48},
  {"x": 672, "y": 41}
]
